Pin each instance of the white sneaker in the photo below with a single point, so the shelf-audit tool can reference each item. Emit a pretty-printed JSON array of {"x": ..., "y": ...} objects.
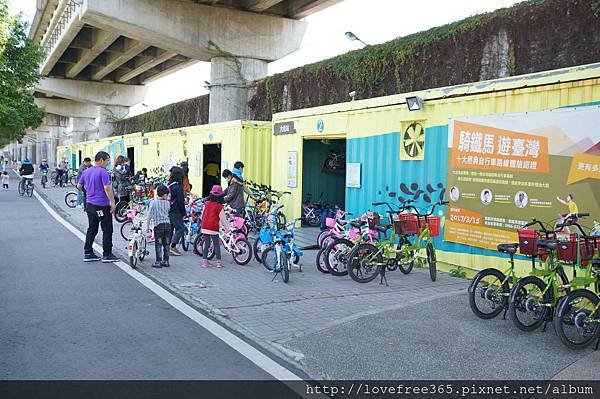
[{"x": 79, "y": 206}]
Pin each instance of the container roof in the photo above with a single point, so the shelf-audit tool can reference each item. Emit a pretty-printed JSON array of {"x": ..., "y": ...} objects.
[{"x": 570, "y": 74}]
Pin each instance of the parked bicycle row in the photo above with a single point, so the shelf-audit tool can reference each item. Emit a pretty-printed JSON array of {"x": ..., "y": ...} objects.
[{"x": 547, "y": 294}]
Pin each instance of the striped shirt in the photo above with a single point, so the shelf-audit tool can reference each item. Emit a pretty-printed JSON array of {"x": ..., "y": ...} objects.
[{"x": 159, "y": 211}]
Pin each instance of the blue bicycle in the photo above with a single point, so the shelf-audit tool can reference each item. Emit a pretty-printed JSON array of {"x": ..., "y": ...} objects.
[
  {"x": 264, "y": 239},
  {"x": 284, "y": 253}
]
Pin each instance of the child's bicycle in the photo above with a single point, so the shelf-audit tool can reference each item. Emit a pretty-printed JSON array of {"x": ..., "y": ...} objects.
[
  {"x": 137, "y": 241},
  {"x": 577, "y": 319},
  {"x": 284, "y": 253},
  {"x": 265, "y": 236},
  {"x": 233, "y": 241}
]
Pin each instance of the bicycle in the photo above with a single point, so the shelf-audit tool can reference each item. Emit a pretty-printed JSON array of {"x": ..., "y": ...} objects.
[
  {"x": 234, "y": 242},
  {"x": 137, "y": 247},
  {"x": 26, "y": 187},
  {"x": 577, "y": 321},
  {"x": 312, "y": 210},
  {"x": 44, "y": 180},
  {"x": 366, "y": 261},
  {"x": 534, "y": 298},
  {"x": 490, "y": 288},
  {"x": 264, "y": 239},
  {"x": 284, "y": 253},
  {"x": 71, "y": 199},
  {"x": 335, "y": 255}
]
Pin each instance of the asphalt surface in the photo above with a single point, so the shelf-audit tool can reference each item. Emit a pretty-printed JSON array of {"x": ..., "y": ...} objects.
[
  {"x": 65, "y": 319},
  {"x": 438, "y": 339}
]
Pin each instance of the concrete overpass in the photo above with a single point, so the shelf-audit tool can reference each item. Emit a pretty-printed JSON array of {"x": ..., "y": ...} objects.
[{"x": 100, "y": 54}]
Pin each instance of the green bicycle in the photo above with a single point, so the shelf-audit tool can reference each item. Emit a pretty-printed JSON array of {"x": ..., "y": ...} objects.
[
  {"x": 490, "y": 288},
  {"x": 414, "y": 231},
  {"x": 577, "y": 319}
]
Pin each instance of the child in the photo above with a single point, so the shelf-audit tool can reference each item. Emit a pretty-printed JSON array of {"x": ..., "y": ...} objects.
[
  {"x": 5, "y": 180},
  {"x": 159, "y": 214},
  {"x": 211, "y": 216}
]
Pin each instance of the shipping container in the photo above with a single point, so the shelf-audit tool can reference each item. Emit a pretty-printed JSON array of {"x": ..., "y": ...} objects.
[
  {"x": 366, "y": 151},
  {"x": 219, "y": 144}
]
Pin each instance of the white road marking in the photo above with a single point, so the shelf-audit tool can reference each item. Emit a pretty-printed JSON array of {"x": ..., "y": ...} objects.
[{"x": 248, "y": 351}]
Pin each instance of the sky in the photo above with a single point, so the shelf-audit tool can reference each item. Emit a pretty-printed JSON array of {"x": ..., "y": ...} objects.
[{"x": 373, "y": 21}]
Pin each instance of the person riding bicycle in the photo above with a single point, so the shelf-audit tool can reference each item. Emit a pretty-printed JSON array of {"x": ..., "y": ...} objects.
[
  {"x": 26, "y": 171},
  {"x": 61, "y": 172},
  {"x": 44, "y": 167}
]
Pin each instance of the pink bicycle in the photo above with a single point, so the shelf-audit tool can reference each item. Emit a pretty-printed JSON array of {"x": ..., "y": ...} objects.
[{"x": 233, "y": 241}]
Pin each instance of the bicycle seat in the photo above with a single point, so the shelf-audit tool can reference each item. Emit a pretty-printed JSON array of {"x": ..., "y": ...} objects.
[
  {"x": 382, "y": 228},
  {"x": 357, "y": 223},
  {"x": 510, "y": 249},
  {"x": 547, "y": 244}
]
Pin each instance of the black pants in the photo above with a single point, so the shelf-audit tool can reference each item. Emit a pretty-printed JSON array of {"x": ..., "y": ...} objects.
[
  {"x": 162, "y": 239},
  {"x": 99, "y": 215},
  {"x": 177, "y": 227}
]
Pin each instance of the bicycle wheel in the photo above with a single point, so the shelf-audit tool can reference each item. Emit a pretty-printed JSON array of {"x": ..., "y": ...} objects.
[
  {"x": 314, "y": 220},
  {"x": 198, "y": 245},
  {"x": 71, "y": 199},
  {"x": 320, "y": 261},
  {"x": 527, "y": 303},
  {"x": 577, "y": 319},
  {"x": 431, "y": 261},
  {"x": 142, "y": 249},
  {"x": 126, "y": 229},
  {"x": 121, "y": 211},
  {"x": 133, "y": 259},
  {"x": 243, "y": 257},
  {"x": 269, "y": 259},
  {"x": 488, "y": 293},
  {"x": 284, "y": 261},
  {"x": 73, "y": 180},
  {"x": 185, "y": 244},
  {"x": 336, "y": 256},
  {"x": 21, "y": 189},
  {"x": 281, "y": 221},
  {"x": 258, "y": 249},
  {"x": 364, "y": 263},
  {"x": 29, "y": 190},
  {"x": 322, "y": 235},
  {"x": 405, "y": 268}
]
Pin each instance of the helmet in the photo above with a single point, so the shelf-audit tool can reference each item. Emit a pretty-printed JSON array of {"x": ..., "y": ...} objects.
[
  {"x": 26, "y": 161},
  {"x": 43, "y": 160}
]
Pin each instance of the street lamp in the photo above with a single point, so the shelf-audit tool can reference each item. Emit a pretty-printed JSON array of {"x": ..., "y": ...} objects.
[{"x": 352, "y": 37}]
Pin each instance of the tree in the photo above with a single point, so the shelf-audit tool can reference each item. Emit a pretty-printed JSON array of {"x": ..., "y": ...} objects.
[{"x": 20, "y": 59}]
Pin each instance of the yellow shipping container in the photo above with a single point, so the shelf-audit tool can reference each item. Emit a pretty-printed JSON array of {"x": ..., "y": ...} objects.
[{"x": 391, "y": 152}]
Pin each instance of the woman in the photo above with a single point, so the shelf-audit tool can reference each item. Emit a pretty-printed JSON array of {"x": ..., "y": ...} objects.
[
  {"x": 187, "y": 187},
  {"x": 123, "y": 177},
  {"x": 177, "y": 209}
]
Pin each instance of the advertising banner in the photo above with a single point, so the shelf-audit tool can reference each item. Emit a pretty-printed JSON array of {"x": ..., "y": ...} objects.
[{"x": 506, "y": 169}]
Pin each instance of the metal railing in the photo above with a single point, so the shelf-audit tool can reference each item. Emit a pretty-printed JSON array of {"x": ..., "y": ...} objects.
[{"x": 52, "y": 38}]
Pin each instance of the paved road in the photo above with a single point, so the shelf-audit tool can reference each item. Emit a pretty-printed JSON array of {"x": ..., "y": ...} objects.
[
  {"x": 64, "y": 319},
  {"x": 440, "y": 339}
]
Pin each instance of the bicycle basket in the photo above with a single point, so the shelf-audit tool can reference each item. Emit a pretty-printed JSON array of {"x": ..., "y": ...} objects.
[
  {"x": 434, "y": 223},
  {"x": 528, "y": 242},
  {"x": 567, "y": 247},
  {"x": 330, "y": 222},
  {"x": 373, "y": 218},
  {"x": 405, "y": 223}
]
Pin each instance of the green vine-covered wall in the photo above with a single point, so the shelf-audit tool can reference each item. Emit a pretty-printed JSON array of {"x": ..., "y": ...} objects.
[
  {"x": 531, "y": 36},
  {"x": 190, "y": 112}
]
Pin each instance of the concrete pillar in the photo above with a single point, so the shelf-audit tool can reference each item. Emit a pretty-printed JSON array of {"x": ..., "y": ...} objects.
[
  {"x": 79, "y": 127},
  {"x": 108, "y": 115},
  {"x": 229, "y": 86}
]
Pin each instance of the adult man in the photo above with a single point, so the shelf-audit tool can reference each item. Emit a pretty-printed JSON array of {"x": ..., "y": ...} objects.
[
  {"x": 87, "y": 163},
  {"x": 99, "y": 208},
  {"x": 26, "y": 172},
  {"x": 61, "y": 171},
  {"x": 211, "y": 176}
]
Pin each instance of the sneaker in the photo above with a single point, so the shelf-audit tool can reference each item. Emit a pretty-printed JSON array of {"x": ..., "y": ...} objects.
[
  {"x": 206, "y": 263},
  {"x": 91, "y": 257},
  {"x": 174, "y": 251},
  {"x": 165, "y": 263},
  {"x": 110, "y": 259},
  {"x": 157, "y": 264},
  {"x": 219, "y": 264}
]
